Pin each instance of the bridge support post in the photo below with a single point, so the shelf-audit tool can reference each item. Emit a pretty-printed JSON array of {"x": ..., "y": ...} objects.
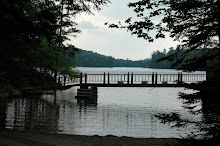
[
  {"x": 68, "y": 81},
  {"x": 128, "y": 79},
  {"x": 85, "y": 78},
  {"x": 132, "y": 78},
  {"x": 152, "y": 77},
  {"x": 64, "y": 83},
  {"x": 59, "y": 80},
  {"x": 104, "y": 78},
  {"x": 108, "y": 78},
  {"x": 178, "y": 79},
  {"x": 181, "y": 78},
  {"x": 156, "y": 78},
  {"x": 80, "y": 78}
]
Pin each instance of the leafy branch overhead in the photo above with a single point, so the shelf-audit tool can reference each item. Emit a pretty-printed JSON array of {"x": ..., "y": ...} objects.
[
  {"x": 194, "y": 23},
  {"x": 34, "y": 38}
]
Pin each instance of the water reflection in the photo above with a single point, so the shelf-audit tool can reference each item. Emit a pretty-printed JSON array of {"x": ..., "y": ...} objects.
[
  {"x": 117, "y": 111},
  {"x": 3, "y": 107},
  {"x": 209, "y": 125},
  {"x": 31, "y": 113}
]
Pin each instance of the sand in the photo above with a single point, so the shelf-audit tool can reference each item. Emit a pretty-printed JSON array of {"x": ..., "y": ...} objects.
[{"x": 18, "y": 138}]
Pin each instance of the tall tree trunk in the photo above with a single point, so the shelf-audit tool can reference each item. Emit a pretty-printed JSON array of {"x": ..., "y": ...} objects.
[
  {"x": 60, "y": 37},
  {"x": 218, "y": 12}
]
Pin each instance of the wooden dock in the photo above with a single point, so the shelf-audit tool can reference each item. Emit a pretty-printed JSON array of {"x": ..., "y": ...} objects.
[{"x": 85, "y": 92}]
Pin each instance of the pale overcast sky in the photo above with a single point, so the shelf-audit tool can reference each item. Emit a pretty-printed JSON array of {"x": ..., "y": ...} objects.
[{"x": 119, "y": 43}]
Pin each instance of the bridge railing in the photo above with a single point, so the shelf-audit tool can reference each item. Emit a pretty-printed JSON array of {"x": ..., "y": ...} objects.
[
  {"x": 64, "y": 80},
  {"x": 131, "y": 78},
  {"x": 192, "y": 78}
]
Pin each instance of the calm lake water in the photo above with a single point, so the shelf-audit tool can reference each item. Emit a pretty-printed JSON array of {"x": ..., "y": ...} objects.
[{"x": 118, "y": 111}]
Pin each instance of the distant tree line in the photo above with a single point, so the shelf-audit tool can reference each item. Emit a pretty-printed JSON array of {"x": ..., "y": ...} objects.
[
  {"x": 157, "y": 60},
  {"x": 92, "y": 59},
  {"x": 174, "y": 59}
]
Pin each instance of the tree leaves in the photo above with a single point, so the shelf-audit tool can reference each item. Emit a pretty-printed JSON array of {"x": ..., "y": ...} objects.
[
  {"x": 194, "y": 23},
  {"x": 33, "y": 37}
]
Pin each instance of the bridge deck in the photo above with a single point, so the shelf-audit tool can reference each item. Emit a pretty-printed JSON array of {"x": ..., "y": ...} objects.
[
  {"x": 134, "y": 80},
  {"x": 131, "y": 85}
]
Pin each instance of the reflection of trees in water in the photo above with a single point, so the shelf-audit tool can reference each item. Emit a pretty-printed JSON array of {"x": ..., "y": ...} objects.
[
  {"x": 87, "y": 101},
  {"x": 2, "y": 112},
  {"x": 209, "y": 126},
  {"x": 32, "y": 113}
]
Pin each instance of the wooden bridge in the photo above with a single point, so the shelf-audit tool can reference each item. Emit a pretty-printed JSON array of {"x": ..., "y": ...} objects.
[
  {"x": 87, "y": 94},
  {"x": 134, "y": 80}
]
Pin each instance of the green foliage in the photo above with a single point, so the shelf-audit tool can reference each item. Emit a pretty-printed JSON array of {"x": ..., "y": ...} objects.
[
  {"x": 194, "y": 23},
  {"x": 91, "y": 59},
  {"x": 32, "y": 44},
  {"x": 179, "y": 58},
  {"x": 160, "y": 60},
  {"x": 208, "y": 127},
  {"x": 155, "y": 57},
  {"x": 189, "y": 21}
]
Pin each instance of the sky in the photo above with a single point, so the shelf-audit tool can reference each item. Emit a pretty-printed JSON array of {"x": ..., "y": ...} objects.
[{"x": 97, "y": 37}]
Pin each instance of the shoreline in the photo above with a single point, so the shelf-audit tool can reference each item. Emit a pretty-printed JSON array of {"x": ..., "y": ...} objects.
[{"x": 13, "y": 137}]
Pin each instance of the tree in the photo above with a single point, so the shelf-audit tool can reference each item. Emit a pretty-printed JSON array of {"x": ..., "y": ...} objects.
[
  {"x": 67, "y": 10},
  {"x": 33, "y": 38},
  {"x": 194, "y": 23}
]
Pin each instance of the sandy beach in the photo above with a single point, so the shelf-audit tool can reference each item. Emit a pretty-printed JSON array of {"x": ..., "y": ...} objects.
[{"x": 17, "y": 138}]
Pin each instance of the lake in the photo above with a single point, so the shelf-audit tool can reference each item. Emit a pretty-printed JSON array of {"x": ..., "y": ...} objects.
[{"x": 118, "y": 111}]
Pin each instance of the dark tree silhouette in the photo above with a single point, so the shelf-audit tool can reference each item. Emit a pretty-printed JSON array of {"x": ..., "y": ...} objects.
[
  {"x": 33, "y": 35},
  {"x": 194, "y": 23}
]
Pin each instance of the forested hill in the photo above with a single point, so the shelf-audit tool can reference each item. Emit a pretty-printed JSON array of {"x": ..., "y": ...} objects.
[{"x": 92, "y": 59}]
